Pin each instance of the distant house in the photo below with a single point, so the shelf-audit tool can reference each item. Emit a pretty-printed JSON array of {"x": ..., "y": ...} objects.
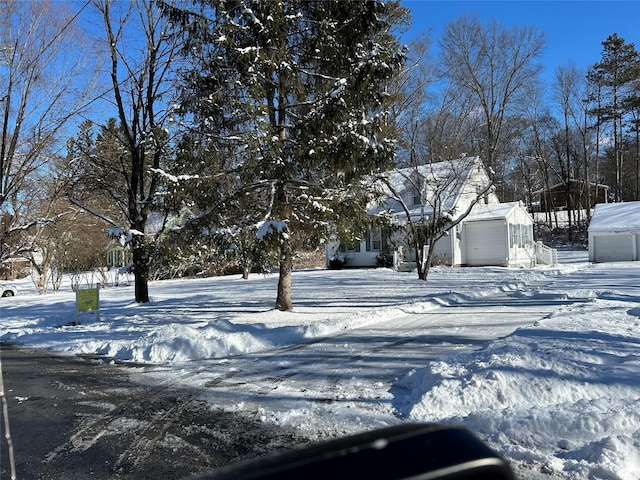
[
  {"x": 491, "y": 234},
  {"x": 555, "y": 197},
  {"x": 14, "y": 268},
  {"x": 614, "y": 232}
]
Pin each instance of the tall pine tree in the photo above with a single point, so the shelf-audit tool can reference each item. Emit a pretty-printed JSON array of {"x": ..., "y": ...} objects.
[
  {"x": 288, "y": 99},
  {"x": 615, "y": 74}
]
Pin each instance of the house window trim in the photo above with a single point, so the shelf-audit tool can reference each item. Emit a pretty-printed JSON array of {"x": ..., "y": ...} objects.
[
  {"x": 520, "y": 235},
  {"x": 377, "y": 240}
]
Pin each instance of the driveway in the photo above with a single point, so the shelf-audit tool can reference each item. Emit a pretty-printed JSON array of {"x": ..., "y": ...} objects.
[{"x": 73, "y": 418}]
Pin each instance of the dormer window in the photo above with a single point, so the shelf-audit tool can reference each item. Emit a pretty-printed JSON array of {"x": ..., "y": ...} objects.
[
  {"x": 415, "y": 187},
  {"x": 416, "y": 200}
]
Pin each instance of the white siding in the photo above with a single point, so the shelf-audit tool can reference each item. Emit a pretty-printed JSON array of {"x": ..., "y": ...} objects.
[
  {"x": 442, "y": 251},
  {"x": 486, "y": 243}
]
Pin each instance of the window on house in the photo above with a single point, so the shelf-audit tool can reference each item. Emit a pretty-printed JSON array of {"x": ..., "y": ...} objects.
[
  {"x": 415, "y": 190},
  {"x": 350, "y": 247},
  {"x": 520, "y": 235},
  {"x": 527, "y": 234},
  {"x": 416, "y": 198},
  {"x": 376, "y": 241},
  {"x": 116, "y": 257}
]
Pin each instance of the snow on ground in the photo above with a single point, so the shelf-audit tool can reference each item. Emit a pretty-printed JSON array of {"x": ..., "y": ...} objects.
[{"x": 543, "y": 364}]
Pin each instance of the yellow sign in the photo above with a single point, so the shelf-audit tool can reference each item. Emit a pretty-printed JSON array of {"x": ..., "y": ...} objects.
[{"x": 88, "y": 301}]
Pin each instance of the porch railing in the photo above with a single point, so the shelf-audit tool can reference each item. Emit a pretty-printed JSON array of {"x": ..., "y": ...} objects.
[{"x": 546, "y": 255}]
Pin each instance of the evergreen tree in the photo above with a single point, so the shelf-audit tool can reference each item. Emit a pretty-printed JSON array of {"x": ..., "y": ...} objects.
[
  {"x": 616, "y": 73},
  {"x": 288, "y": 101}
]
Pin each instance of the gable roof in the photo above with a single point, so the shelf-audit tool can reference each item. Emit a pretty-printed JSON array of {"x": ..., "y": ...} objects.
[
  {"x": 496, "y": 211},
  {"x": 572, "y": 183},
  {"x": 615, "y": 217},
  {"x": 442, "y": 184}
]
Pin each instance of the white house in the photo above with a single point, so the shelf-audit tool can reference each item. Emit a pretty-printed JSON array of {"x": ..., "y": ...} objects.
[
  {"x": 614, "y": 232},
  {"x": 490, "y": 234}
]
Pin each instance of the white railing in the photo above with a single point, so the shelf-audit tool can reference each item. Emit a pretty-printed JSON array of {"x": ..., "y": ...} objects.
[
  {"x": 546, "y": 255},
  {"x": 400, "y": 263}
]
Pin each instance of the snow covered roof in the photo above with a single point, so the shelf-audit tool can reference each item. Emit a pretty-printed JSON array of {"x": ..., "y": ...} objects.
[
  {"x": 496, "y": 211},
  {"x": 616, "y": 217},
  {"x": 441, "y": 184}
]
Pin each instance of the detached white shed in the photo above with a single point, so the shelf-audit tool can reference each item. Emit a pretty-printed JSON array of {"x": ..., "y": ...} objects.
[{"x": 614, "y": 232}]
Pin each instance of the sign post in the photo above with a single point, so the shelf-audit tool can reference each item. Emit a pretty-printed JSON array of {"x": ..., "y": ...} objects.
[{"x": 88, "y": 300}]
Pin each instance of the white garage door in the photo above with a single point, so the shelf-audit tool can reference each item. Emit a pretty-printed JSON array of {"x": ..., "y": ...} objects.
[
  {"x": 613, "y": 248},
  {"x": 486, "y": 243}
]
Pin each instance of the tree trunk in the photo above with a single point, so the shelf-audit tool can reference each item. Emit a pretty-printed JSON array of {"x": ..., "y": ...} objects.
[
  {"x": 140, "y": 268},
  {"x": 141, "y": 288},
  {"x": 283, "y": 301},
  {"x": 427, "y": 264},
  {"x": 284, "y": 209},
  {"x": 423, "y": 270},
  {"x": 637, "y": 196},
  {"x": 424, "y": 264}
]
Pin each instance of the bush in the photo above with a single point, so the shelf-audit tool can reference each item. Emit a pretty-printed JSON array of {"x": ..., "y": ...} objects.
[
  {"x": 337, "y": 263},
  {"x": 385, "y": 260}
]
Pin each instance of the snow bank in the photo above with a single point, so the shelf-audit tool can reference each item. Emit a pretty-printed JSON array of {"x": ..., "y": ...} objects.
[{"x": 564, "y": 392}]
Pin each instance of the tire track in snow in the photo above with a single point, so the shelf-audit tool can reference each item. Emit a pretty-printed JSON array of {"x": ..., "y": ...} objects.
[
  {"x": 340, "y": 367},
  {"x": 347, "y": 358}
]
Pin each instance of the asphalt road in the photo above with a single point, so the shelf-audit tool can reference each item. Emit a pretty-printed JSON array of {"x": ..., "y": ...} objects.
[{"x": 72, "y": 418}]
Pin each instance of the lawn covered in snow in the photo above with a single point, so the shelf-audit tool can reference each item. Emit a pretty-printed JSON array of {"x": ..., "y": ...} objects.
[{"x": 544, "y": 363}]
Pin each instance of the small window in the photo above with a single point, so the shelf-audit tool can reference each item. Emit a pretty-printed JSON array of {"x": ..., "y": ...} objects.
[
  {"x": 416, "y": 198},
  {"x": 376, "y": 241},
  {"x": 520, "y": 235},
  {"x": 527, "y": 234},
  {"x": 350, "y": 247}
]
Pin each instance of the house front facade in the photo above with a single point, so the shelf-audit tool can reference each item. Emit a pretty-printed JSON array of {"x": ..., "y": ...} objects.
[{"x": 489, "y": 233}]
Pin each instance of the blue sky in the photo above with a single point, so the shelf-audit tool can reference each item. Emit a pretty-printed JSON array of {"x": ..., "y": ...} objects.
[{"x": 575, "y": 30}]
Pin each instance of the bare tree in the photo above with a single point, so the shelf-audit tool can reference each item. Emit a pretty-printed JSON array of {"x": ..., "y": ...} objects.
[
  {"x": 59, "y": 238},
  {"x": 43, "y": 85},
  {"x": 437, "y": 119},
  {"x": 493, "y": 64},
  {"x": 434, "y": 199},
  {"x": 412, "y": 93},
  {"x": 140, "y": 55},
  {"x": 565, "y": 90}
]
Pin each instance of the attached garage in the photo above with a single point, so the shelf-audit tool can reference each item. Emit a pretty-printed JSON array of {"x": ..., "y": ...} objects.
[
  {"x": 499, "y": 235},
  {"x": 614, "y": 233}
]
